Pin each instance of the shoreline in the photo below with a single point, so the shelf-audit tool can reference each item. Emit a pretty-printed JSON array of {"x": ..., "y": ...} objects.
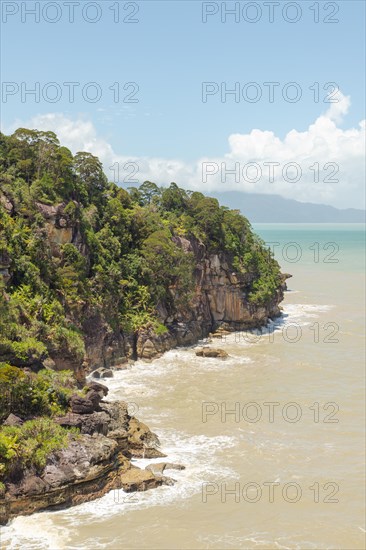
[
  {"x": 112, "y": 469},
  {"x": 93, "y": 463}
]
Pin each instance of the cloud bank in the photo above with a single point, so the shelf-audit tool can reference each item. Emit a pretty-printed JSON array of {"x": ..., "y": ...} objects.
[{"x": 324, "y": 164}]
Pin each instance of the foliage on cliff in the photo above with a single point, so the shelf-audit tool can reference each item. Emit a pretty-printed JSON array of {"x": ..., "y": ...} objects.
[
  {"x": 29, "y": 446},
  {"x": 120, "y": 256},
  {"x": 38, "y": 398},
  {"x": 26, "y": 394}
]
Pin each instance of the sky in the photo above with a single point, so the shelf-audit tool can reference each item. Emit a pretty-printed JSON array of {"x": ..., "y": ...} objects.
[{"x": 146, "y": 87}]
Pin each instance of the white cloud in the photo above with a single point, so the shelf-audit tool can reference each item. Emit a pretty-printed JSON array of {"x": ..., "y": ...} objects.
[
  {"x": 338, "y": 108},
  {"x": 323, "y": 142}
]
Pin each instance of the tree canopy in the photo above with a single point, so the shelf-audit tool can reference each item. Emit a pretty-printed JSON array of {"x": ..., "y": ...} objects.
[{"x": 121, "y": 254}]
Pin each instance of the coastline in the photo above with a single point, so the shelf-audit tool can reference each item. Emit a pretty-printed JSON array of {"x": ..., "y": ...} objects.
[
  {"x": 94, "y": 462},
  {"x": 99, "y": 459}
]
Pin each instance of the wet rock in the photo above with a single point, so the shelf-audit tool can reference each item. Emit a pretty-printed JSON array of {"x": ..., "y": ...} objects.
[
  {"x": 139, "y": 434},
  {"x": 146, "y": 349},
  {"x": 142, "y": 441},
  {"x": 212, "y": 352},
  {"x": 160, "y": 467},
  {"x": 102, "y": 373},
  {"x": 137, "y": 480},
  {"x": 220, "y": 335},
  {"x": 142, "y": 480}
]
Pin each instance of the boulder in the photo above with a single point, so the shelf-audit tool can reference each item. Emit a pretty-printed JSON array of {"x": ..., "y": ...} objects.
[
  {"x": 212, "y": 352},
  {"x": 97, "y": 422},
  {"x": 142, "y": 441},
  {"x": 160, "y": 467},
  {"x": 112, "y": 420},
  {"x": 118, "y": 415},
  {"x": 142, "y": 480},
  {"x": 146, "y": 348},
  {"x": 70, "y": 420},
  {"x": 95, "y": 397},
  {"x": 220, "y": 335},
  {"x": 102, "y": 373},
  {"x": 13, "y": 420},
  {"x": 97, "y": 386},
  {"x": 81, "y": 405}
]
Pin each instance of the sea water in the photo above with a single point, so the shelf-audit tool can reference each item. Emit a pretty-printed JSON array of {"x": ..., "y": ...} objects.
[{"x": 272, "y": 438}]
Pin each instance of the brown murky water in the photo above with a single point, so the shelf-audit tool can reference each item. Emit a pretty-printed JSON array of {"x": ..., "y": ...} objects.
[{"x": 272, "y": 438}]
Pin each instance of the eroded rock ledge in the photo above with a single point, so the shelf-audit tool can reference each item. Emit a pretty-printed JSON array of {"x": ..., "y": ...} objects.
[{"x": 94, "y": 462}]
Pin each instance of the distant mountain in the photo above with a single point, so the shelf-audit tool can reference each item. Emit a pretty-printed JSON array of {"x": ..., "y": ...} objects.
[{"x": 275, "y": 209}]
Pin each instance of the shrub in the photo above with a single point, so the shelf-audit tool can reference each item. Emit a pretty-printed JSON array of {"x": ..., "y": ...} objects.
[
  {"x": 30, "y": 350},
  {"x": 29, "y": 394},
  {"x": 29, "y": 445}
]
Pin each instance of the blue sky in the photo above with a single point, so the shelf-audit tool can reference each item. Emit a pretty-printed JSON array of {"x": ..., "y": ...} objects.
[{"x": 169, "y": 53}]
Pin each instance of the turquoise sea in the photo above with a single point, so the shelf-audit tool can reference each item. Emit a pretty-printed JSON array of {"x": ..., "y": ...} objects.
[{"x": 333, "y": 246}]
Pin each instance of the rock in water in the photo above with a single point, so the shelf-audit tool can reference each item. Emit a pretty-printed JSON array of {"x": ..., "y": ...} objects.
[
  {"x": 159, "y": 467},
  {"x": 102, "y": 373},
  {"x": 212, "y": 352}
]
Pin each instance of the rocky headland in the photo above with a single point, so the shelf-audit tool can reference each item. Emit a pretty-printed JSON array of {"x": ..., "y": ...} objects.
[
  {"x": 95, "y": 461},
  {"x": 93, "y": 277}
]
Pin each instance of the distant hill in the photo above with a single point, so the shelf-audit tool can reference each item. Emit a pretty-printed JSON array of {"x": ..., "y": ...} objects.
[{"x": 275, "y": 209}]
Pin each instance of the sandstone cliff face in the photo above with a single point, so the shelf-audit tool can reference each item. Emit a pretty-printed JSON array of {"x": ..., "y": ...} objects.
[
  {"x": 58, "y": 226},
  {"x": 219, "y": 300}
]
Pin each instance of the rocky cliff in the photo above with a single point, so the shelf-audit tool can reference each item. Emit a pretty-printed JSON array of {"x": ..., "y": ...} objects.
[
  {"x": 220, "y": 299},
  {"x": 93, "y": 276},
  {"x": 94, "y": 462}
]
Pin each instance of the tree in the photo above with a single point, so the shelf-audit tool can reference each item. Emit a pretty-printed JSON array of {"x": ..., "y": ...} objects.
[
  {"x": 149, "y": 191},
  {"x": 207, "y": 214},
  {"x": 90, "y": 171},
  {"x": 174, "y": 199}
]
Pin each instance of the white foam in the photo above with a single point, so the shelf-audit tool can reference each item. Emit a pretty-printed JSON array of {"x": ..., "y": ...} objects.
[
  {"x": 199, "y": 453},
  {"x": 203, "y": 464},
  {"x": 146, "y": 379},
  {"x": 34, "y": 532},
  {"x": 300, "y": 312}
]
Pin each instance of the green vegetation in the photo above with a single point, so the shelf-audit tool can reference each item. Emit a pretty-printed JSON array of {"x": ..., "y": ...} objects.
[
  {"x": 74, "y": 246},
  {"x": 37, "y": 397},
  {"x": 27, "y": 394},
  {"x": 74, "y": 243},
  {"x": 29, "y": 445}
]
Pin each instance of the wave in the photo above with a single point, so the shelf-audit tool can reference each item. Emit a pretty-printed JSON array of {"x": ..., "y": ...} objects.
[{"x": 201, "y": 456}]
